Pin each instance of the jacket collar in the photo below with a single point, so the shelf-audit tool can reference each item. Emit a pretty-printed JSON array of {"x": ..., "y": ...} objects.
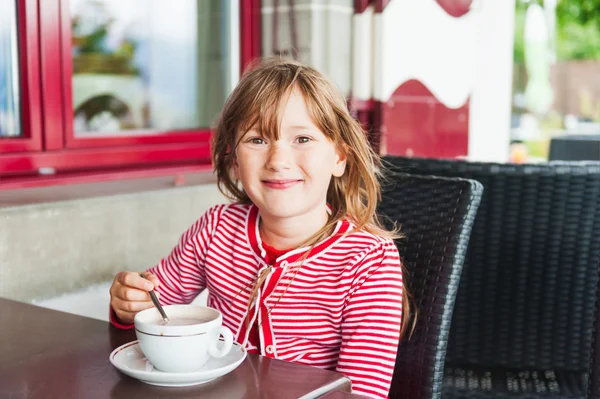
[{"x": 342, "y": 227}]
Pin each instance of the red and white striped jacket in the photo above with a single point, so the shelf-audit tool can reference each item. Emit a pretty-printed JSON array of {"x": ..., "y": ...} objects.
[{"x": 340, "y": 308}]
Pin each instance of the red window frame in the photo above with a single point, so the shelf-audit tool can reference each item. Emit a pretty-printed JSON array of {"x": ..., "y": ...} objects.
[
  {"x": 155, "y": 137},
  {"x": 50, "y": 144}
]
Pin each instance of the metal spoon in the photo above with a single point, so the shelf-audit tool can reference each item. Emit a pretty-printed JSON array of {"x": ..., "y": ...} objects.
[{"x": 156, "y": 303}]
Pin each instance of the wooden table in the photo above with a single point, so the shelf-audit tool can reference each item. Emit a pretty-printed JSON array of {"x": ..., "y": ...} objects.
[{"x": 50, "y": 354}]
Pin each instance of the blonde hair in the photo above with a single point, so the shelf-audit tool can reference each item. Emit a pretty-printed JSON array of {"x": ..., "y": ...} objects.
[{"x": 255, "y": 102}]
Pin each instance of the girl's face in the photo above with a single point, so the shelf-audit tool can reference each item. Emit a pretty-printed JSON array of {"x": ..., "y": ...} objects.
[{"x": 288, "y": 177}]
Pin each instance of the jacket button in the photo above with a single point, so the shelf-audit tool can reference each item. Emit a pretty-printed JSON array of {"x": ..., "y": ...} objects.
[{"x": 269, "y": 349}]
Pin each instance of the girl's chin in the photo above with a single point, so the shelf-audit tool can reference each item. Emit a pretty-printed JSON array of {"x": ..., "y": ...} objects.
[{"x": 286, "y": 208}]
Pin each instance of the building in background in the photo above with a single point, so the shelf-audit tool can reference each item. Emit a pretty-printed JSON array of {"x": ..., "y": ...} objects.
[
  {"x": 428, "y": 78},
  {"x": 103, "y": 86}
]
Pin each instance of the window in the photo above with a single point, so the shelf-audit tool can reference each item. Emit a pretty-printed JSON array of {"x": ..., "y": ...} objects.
[
  {"x": 19, "y": 81},
  {"x": 147, "y": 66},
  {"x": 120, "y": 84},
  {"x": 10, "y": 113}
]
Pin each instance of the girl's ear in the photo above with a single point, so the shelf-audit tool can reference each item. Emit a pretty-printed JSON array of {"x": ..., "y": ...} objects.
[{"x": 340, "y": 162}]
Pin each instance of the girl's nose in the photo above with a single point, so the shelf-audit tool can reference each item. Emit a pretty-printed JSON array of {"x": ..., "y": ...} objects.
[{"x": 277, "y": 158}]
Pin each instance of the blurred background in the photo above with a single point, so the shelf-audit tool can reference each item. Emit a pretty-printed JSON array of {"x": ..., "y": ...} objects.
[
  {"x": 104, "y": 104},
  {"x": 568, "y": 59},
  {"x": 477, "y": 79}
]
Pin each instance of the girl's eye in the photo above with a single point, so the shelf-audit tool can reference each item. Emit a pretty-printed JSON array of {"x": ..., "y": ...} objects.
[
  {"x": 256, "y": 140},
  {"x": 303, "y": 140}
]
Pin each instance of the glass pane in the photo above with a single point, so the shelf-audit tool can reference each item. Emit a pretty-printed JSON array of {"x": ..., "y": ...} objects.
[
  {"x": 10, "y": 118},
  {"x": 148, "y": 65}
]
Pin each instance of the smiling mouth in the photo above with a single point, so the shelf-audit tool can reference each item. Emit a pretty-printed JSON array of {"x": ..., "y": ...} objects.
[{"x": 281, "y": 184}]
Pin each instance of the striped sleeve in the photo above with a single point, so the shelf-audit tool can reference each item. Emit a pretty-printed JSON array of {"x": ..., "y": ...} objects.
[
  {"x": 371, "y": 323},
  {"x": 181, "y": 274}
]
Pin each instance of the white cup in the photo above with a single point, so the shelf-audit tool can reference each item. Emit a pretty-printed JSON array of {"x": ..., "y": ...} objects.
[{"x": 182, "y": 348}]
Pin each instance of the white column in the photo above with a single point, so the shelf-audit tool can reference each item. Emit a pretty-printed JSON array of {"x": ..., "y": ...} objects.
[
  {"x": 362, "y": 54},
  {"x": 490, "y": 106}
]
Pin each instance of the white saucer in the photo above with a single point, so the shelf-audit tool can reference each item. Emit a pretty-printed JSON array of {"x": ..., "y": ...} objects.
[{"x": 130, "y": 360}]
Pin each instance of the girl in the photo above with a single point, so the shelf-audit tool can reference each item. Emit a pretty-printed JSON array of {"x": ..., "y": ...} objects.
[{"x": 298, "y": 264}]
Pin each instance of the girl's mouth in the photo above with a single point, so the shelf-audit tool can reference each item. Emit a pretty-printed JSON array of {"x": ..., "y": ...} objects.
[{"x": 281, "y": 184}]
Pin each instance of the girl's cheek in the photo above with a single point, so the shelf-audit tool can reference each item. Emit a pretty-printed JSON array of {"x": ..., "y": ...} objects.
[{"x": 314, "y": 158}]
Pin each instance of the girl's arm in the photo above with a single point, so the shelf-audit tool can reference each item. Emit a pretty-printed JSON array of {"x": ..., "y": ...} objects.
[
  {"x": 371, "y": 323},
  {"x": 181, "y": 274}
]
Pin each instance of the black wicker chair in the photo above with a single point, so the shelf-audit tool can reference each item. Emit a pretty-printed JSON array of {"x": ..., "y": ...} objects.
[
  {"x": 594, "y": 376},
  {"x": 524, "y": 313},
  {"x": 435, "y": 216}
]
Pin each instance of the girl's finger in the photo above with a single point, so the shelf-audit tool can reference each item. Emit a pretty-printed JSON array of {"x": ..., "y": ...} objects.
[
  {"x": 153, "y": 279},
  {"x": 132, "y": 294},
  {"x": 134, "y": 280}
]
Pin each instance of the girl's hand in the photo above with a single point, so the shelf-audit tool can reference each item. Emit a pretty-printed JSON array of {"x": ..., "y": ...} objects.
[{"x": 129, "y": 294}]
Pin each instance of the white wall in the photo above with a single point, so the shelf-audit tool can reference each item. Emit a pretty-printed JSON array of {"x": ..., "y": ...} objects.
[
  {"x": 49, "y": 249},
  {"x": 419, "y": 40},
  {"x": 456, "y": 59}
]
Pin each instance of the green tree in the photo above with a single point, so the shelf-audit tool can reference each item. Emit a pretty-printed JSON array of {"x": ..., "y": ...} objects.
[
  {"x": 578, "y": 11},
  {"x": 577, "y": 29}
]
